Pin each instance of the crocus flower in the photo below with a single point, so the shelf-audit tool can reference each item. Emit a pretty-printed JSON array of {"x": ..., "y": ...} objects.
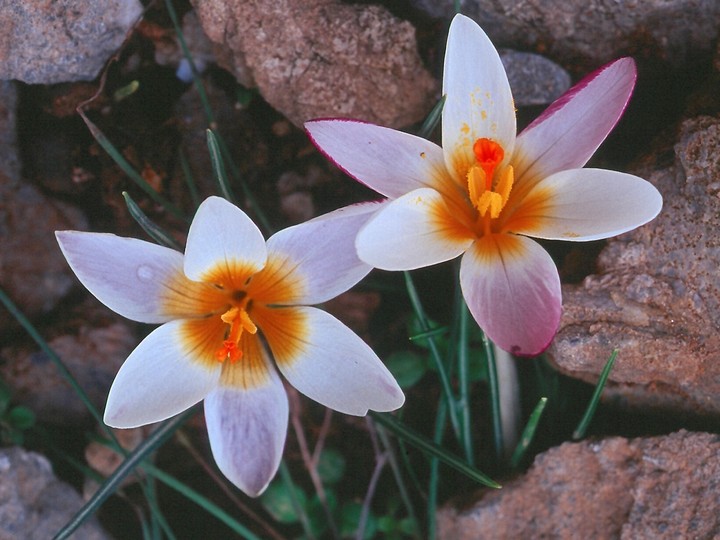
[
  {"x": 486, "y": 190},
  {"x": 230, "y": 306}
]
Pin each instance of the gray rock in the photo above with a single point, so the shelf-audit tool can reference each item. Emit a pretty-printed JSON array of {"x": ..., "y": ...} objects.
[
  {"x": 534, "y": 80},
  {"x": 322, "y": 58},
  {"x": 64, "y": 40},
  {"x": 658, "y": 487},
  {"x": 34, "y": 504},
  {"x": 588, "y": 33}
]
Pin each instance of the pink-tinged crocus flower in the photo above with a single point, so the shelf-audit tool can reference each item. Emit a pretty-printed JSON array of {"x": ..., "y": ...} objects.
[
  {"x": 230, "y": 306},
  {"x": 486, "y": 190}
]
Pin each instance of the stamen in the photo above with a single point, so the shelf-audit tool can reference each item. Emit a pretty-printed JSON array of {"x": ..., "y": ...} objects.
[
  {"x": 239, "y": 322},
  {"x": 484, "y": 196}
]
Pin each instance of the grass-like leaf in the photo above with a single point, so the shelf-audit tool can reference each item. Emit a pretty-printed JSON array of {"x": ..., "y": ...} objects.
[
  {"x": 153, "y": 229},
  {"x": 133, "y": 460},
  {"x": 494, "y": 388},
  {"x": 528, "y": 433},
  {"x": 579, "y": 432},
  {"x": 128, "y": 169},
  {"x": 432, "y": 119},
  {"x": 430, "y": 448},
  {"x": 219, "y": 167}
]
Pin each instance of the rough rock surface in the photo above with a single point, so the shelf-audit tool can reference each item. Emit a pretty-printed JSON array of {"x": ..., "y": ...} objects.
[
  {"x": 659, "y": 487},
  {"x": 316, "y": 58},
  {"x": 32, "y": 270},
  {"x": 33, "y": 503},
  {"x": 93, "y": 343},
  {"x": 656, "y": 297},
  {"x": 534, "y": 80},
  {"x": 65, "y": 40},
  {"x": 592, "y": 32}
]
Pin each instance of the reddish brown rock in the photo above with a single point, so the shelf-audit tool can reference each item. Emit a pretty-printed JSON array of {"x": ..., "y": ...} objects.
[
  {"x": 92, "y": 343},
  {"x": 659, "y": 487},
  {"x": 322, "y": 58},
  {"x": 657, "y": 296}
]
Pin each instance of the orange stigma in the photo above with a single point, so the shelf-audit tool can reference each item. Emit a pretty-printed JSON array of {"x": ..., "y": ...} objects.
[
  {"x": 239, "y": 321},
  {"x": 489, "y": 154}
]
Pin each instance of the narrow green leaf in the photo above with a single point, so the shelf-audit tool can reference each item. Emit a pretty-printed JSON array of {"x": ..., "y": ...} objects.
[
  {"x": 440, "y": 330},
  {"x": 219, "y": 167},
  {"x": 428, "y": 447},
  {"x": 120, "y": 160},
  {"x": 432, "y": 119},
  {"x": 152, "y": 229},
  {"x": 435, "y": 353},
  {"x": 156, "y": 438},
  {"x": 189, "y": 180},
  {"x": 494, "y": 388},
  {"x": 579, "y": 432},
  {"x": 464, "y": 378},
  {"x": 528, "y": 433}
]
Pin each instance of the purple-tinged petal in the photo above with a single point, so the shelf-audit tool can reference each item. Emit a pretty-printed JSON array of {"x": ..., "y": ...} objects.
[
  {"x": 389, "y": 161},
  {"x": 329, "y": 363},
  {"x": 247, "y": 429},
  {"x": 159, "y": 379},
  {"x": 129, "y": 276},
  {"x": 586, "y": 204},
  {"x": 413, "y": 231},
  {"x": 320, "y": 255},
  {"x": 223, "y": 239},
  {"x": 512, "y": 288},
  {"x": 567, "y": 134},
  {"x": 479, "y": 102}
]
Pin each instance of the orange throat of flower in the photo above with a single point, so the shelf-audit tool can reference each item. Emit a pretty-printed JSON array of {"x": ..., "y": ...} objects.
[
  {"x": 238, "y": 321},
  {"x": 489, "y": 186}
]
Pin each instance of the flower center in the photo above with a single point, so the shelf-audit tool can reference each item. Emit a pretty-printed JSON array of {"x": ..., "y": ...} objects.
[
  {"x": 489, "y": 188},
  {"x": 238, "y": 321}
]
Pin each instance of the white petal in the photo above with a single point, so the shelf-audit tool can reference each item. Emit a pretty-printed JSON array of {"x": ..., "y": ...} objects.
[
  {"x": 413, "y": 231},
  {"x": 247, "y": 431},
  {"x": 158, "y": 380},
  {"x": 567, "y": 134},
  {"x": 512, "y": 288},
  {"x": 587, "y": 204},
  {"x": 222, "y": 237},
  {"x": 479, "y": 102},
  {"x": 389, "y": 161},
  {"x": 321, "y": 254},
  {"x": 332, "y": 365},
  {"x": 129, "y": 276}
]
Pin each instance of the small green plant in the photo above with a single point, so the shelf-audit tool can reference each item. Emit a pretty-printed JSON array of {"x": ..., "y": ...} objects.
[{"x": 14, "y": 421}]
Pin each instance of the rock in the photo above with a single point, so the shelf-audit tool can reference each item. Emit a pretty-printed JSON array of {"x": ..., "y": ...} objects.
[
  {"x": 656, "y": 297},
  {"x": 322, "y": 58},
  {"x": 65, "y": 40},
  {"x": 92, "y": 343},
  {"x": 8, "y": 139},
  {"x": 534, "y": 80},
  {"x": 658, "y": 487},
  {"x": 593, "y": 32},
  {"x": 34, "y": 504}
]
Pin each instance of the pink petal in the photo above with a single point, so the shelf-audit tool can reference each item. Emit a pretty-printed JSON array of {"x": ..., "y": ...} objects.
[
  {"x": 320, "y": 254},
  {"x": 413, "y": 231},
  {"x": 479, "y": 102},
  {"x": 159, "y": 379},
  {"x": 247, "y": 429},
  {"x": 567, "y": 134},
  {"x": 129, "y": 276},
  {"x": 512, "y": 288},
  {"x": 223, "y": 237},
  {"x": 329, "y": 363},
  {"x": 586, "y": 204},
  {"x": 390, "y": 162}
]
